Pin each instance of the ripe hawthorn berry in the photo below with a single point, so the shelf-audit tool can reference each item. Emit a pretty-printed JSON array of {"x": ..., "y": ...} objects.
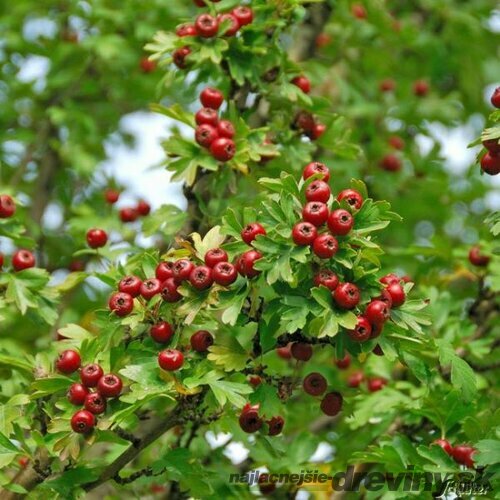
[
  {"x": 182, "y": 269},
  {"x": 421, "y": 88},
  {"x": 304, "y": 121},
  {"x": 211, "y": 98},
  {"x": 358, "y": 11},
  {"x": 304, "y": 233},
  {"x": 68, "y": 362},
  {"x": 91, "y": 374},
  {"x": 170, "y": 359},
  {"x": 147, "y": 65},
  {"x": 226, "y": 129},
  {"x": 143, "y": 208},
  {"x": 361, "y": 331},
  {"x": 377, "y": 312},
  {"x": 201, "y": 340},
  {"x": 325, "y": 246},
  {"x": 318, "y": 191},
  {"x": 206, "y": 25},
  {"x": 201, "y": 277},
  {"x": 346, "y": 295},
  {"x": 463, "y": 455},
  {"x": 315, "y": 212},
  {"x": 110, "y": 385},
  {"x": 314, "y": 168},
  {"x": 251, "y": 231},
  {"x": 391, "y": 163},
  {"x": 179, "y": 56},
  {"x": 490, "y": 163},
  {"x": 387, "y": 85},
  {"x": 343, "y": 363},
  {"x": 377, "y": 329},
  {"x": 164, "y": 270},
  {"x": 121, "y": 303},
  {"x": 224, "y": 273},
  {"x": 214, "y": 256},
  {"x": 169, "y": 292},
  {"x": 303, "y": 83},
  {"x": 96, "y": 238},
  {"x": 322, "y": 40},
  {"x": 95, "y": 403},
  {"x": 247, "y": 261},
  {"x": 161, "y": 332},
  {"x": 1, "y": 260},
  {"x": 340, "y": 222},
  {"x": 249, "y": 419},
  {"x": 23, "y": 259},
  {"x": 397, "y": 293},
  {"x": 326, "y": 278},
  {"x": 233, "y": 23},
  {"x": 476, "y": 258},
  {"x": 185, "y": 30},
  {"x": 275, "y": 425},
  {"x": 223, "y": 149},
  {"x": 77, "y": 394},
  {"x": 83, "y": 422},
  {"x": 376, "y": 384},
  {"x": 352, "y": 197},
  {"x": 301, "y": 351},
  {"x": 254, "y": 380},
  {"x": 331, "y": 404},
  {"x": 206, "y": 116},
  {"x": 128, "y": 214},
  {"x": 317, "y": 131},
  {"x": 150, "y": 288},
  {"x": 493, "y": 146},
  {"x": 355, "y": 378},
  {"x": 495, "y": 98},
  {"x": 266, "y": 486},
  {"x": 444, "y": 444},
  {"x": 205, "y": 134},
  {"x": 130, "y": 285},
  {"x": 390, "y": 278},
  {"x": 314, "y": 384},
  {"x": 396, "y": 142},
  {"x": 244, "y": 14},
  {"x": 7, "y": 206},
  {"x": 285, "y": 352}
]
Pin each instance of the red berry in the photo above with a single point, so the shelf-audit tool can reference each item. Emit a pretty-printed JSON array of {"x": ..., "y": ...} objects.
[
  {"x": 211, "y": 98},
  {"x": 385, "y": 296},
  {"x": 377, "y": 329},
  {"x": 214, "y": 256},
  {"x": 254, "y": 380},
  {"x": 354, "y": 380},
  {"x": 224, "y": 273},
  {"x": 207, "y": 116},
  {"x": 7, "y": 206},
  {"x": 111, "y": 196},
  {"x": 1, "y": 260},
  {"x": 397, "y": 294},
  {"x": 275, "y": 425},
  {"x": 95, "y": 403},
  {"x": 476, "y": 258},
  {"x": 326, "y": 278},
  {"x": 492, "y": 145},
  {"x": 318, "y": 191},
  {"x": 362, "y": 330},
  {"x": 243, "y": 14},
  {"x": 314, "y": 384},
  {"x": 23, "y": 259},
  {"x": 304, "y": 233},
  {"x": 377, "y": 312},
  {"x": 170, "y": 359},
  {"x": 130, "y": 285},
  {"x": 68, "y": 362},
  {"x": 247, "y": 261},
  {"x": 322, "y": 40},
  {"x": 201, "y": 277},
  {"x": 185, "y": 30},
  {"x": 251, "y": 231},
  {"x": 77, "y": 394},
  {"x": 420, "y": 88},
  {"x": 223, "y": 149},
  {"x": 304, "y": 121},
  {"x": 150, "y": 288},
  {"x": 376, "y": 384},
  {"x": 233, "y": 22},
  {"x": 352, "y": 197},
  {"x": 164, "y": 270},
  {"x": 490, "y": 163},
  {"x": 301, "y": 351},
  {"x": 169, "y": 292},
  {"x": 206, "y": 25},
  {"x": 331, "y": 404},
  {"x": 495, "y": 98},
  {"x": 96, "y": 238},
  {"x": 340, "y": 222},
  {"x": 443, "y": 443},
  {"x": 182, "y": 269},
  {"x": 76, "y": 266},
  {"x": 161, "y": 332},
  {"x": 285, "y": 352},
  {"x": 201, "y": 340},
  {"x": 315, "y": 212},
  {"x": 303, "y": 83},
  {"x": 91, "y": 374},
  {"x": 128, "y": 214},
  {"x": 121, "y": 303},
  {"x": 317, "y": 131},
  {"x": 314, "y": 168},
  {"x": 390, "y": 278},
  {"x": 143, "y": 208},
  {"x": 325, "y": 246},
  {"x": 23, "y": 462},
  {"x": 396, "y": 142},
  {"x": 387, "y": 85},
  {"x": 110, "y": 385},
  {"x": 179, "y": 56},
  {"x": 358, "y": 11},
  {"x": 249, "y": 419},
  {"x": 346, "y": 295},
  {"x": 226, "y": 129},
  {"x": 463, "y": 453},
  {"x": 147, "y": 65},
  {"x": 83, "y": 422},
  {"x": 391, "y": 163},
  {"x": 344, "y": 363}
]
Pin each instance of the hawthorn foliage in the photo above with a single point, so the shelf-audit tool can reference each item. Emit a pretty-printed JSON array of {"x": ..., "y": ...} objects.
[{"x": 282, "y": 365}]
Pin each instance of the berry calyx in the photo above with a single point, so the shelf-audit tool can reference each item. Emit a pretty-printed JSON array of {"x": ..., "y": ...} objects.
[
  {"x": 130, "y": 285},
  {"x": 397, "y": 293},
  {"x": 169, "y": 292},
  {"x": 7, "y": 206},
  {"x": 77, "y": 394},
  {"x": 161, "y": 332},
  {"x": 201, "y": 340},
  {"x": 275, "y": 425},
  {"x": 206, "y": 25},
  {"x": 224, "y": 273},
  {"x": 201, "y": 277},
  {"x": 150, "y": 288},
  {"x": 83, "y": 422},
  {"x": 303, "y": 83},
  {"x": 346, "y": 295},
  {"x": 95, "y": 403},
  {"x": 223, "y": 149},
  {"x": 170, "y": 359},
  {"x": 314, "y": 168},
  {"x": 476, "y": 258},
  {"x": 361, "y": 331},
  {"x": 443, "y": 443},
  {"x": 251, "y": 231},
  {"x": 91, "y": 374},
  {"x": 68, "y": 362},
  {"x": 331, "y": 404},
  {"x": 315, "y": 384},
  {"x": 304, "y": 233},
  {"x": 182, "y": 270},
  {"x": 215, "y": 256},
  {"x": 377, "y": 312},
  {"x": 121, "y": 303},
  {"x": 96, "y": 238},
  {"x": 301, "y": 351},
  {"x": 315, "y": 212},
  {"x": 211, "y": 98},
  {"x": 318, "y": 191},
  {"x": 164, "y": 270},
  {"x": 23, "y": 259},
  {"x": 325, "y": 246},
  {"x": 326, "y": 278},
  {"x": 340, "y": 222},
  {"x": 110, "y": 385},
  {"x": 352, "y": 197}
]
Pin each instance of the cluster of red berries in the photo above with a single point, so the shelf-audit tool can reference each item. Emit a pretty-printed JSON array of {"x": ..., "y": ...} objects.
[
  {"x": 211, "y": 133},
  {"x": 316, "y": 385},
  {"x": 355, "y": 379},
  {"x": 462, "y": 453},
  {"x": 250, "y": 421},
  {"x": 490, "y": 161},
  {"x": 207, "y": 26},
  {"x": 477, "y": 258},
  {"x": 420, "y": 87},
  {"x": 127, "y": 214},
  {"x": 80, "y": 393}
]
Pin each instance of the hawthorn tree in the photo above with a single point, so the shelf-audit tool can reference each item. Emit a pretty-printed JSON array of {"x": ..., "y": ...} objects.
[{"x": 332, "y": 283}]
